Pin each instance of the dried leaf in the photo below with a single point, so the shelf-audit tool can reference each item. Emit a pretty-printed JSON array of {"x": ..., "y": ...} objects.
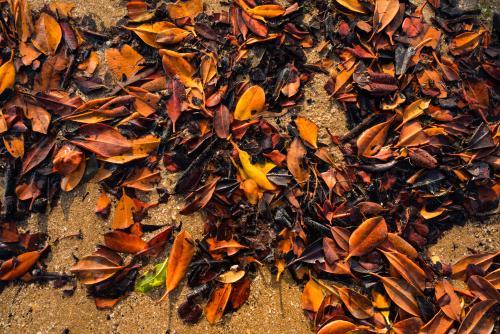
[
  {"x": 123, "y": 217},
  {"x": 217, "y": 303},
  {"x": 402, "y": 294},
  {"x": 385, "y": 11},
  {"x": 337, "y": 327},
  {"x": 482, "y": 260},
  {"x": 7, "y": 75},
  {"x": 256, "y": 172},
  {"x": 358, "y": 305},
  {"x": 123, "y": 62},
  {"x": 18, "y": 266},
  {"x": 231, "y": 276},
  {"x": 408, "y": 269},
  {"x": 312, "y": 296},
  {"x": 251, "y": 102},
  {"x": 371, "y": 140},
  {"x": 483, "y": 289},
  {"x": 101, "y": 139},
  {"x": 308, "y": 131},
  {"x": 95, "y": 268},
  {"x": 294, "y": 159},
  {"x": 476, "y": 321},
  {"x": 180, "y": 257},
  {"x": 124, "y": 242},
  {"x": 367, "y": 236},
  {"x": 353, "y": 5},
  {"x": 48, "y": 34},
  {"x": 188, "y": 8}
]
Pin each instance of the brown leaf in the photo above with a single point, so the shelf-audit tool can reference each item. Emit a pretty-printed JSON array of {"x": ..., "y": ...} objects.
[
  {"x": 440, "y": 324},
  {"x": 357, "y": 304},
  {"x": 367, "y": 236},
  {"x": 412, "y": 134},
  {"x": 95, "y": 268},
  {"x": 402, "y": 294},
  {"x": 294, "y": 159},
  {"x": 179, "y": 259},
  {"x": 18, "y": 266},
  {"x": 452, "y": 307},
  {"x": 408, "y": 269},
  {"x": 48, "y": 34},
  {"x": 494, "y": 278},
  {"x": 37, "y": 154},
  {"x": 255, "y": 26},
  {"x": 397, "y": 243},
  {"x": 482, "y": 288},
  {"x": 124, "y": 210},
  {"x": 217, "y": 303},
  {"x": 385, "y": 11},
  {"x": 353, "y": 5},
  {"x": 124, "y": 242},
  {"x": 143, "y": 179},
  {"x": 408, "y": 326},
  {"x": 308, "y": 131},
  {"x": 149, "y": 33},
  {"x": 477, "y": 321},
  {"x": 199, "y": 199},
  {"x": 483, "y": 261},
  {"x": 101, "y": 139},
  {"x": 337, "y": 327},
  {"x": 222, "y": 122},
  {"x": 372, "y": 139},
  {"x": 240, "y": 293}
]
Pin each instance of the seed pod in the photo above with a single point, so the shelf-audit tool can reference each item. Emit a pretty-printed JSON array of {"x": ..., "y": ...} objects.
[{"x": 421, "y": 158}]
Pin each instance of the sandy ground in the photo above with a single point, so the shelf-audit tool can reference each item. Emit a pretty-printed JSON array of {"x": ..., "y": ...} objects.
[{"x": 272, "y": 307}]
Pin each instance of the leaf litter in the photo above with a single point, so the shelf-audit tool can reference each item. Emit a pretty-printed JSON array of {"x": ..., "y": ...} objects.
[{"x": 428, "y": 159}]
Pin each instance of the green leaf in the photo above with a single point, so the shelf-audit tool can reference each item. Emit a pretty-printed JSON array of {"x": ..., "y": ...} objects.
[{"x": 152, "y": 279}]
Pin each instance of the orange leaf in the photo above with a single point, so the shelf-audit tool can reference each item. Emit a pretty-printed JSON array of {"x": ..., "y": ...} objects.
[
  {"x": 367, "y": 236},
  {"x": 124, "y": 242},
  {"x": 452, "y": 308},
  {"x": 294, "y": 158},
  {"x": 308, "y": 131},
  {"x": 408, "y": 269},
  {"x": 7, "y": 75},
  {"x": 251, "y": 102},
  {"x": 14, "y": 145},
  {"x": 18, "y": 266},
  {"x": 188, "y": 8},
  {"x": 267, "y": 11},
  {"x": 482, "y": 288},
  {"x": 101, "y": 139},
  {"x": 217, "y": 303},
  {"x": 402, "y": 294},
  {"x": 124, "y": 210},
  {"x": 483, "y": 261},
  {"x": 48, "y": 34},
  {"x": 124, "y": 62},
  {"x": 312, "y": 296},
  {"x": 179, "y": 259}
]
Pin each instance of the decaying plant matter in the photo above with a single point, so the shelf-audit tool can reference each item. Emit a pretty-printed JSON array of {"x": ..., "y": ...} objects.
[{"x": 209, "y": 96}]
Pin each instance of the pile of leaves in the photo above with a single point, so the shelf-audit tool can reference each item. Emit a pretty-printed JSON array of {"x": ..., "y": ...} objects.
[{"x": 214, "y": 97}]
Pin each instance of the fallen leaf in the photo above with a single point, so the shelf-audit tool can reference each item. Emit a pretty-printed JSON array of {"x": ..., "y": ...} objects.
[
  {"x": 48, "y": 34},
  {"x": 124, "y": 213},
  {"x": 385, "y": 11},
  {"x": 367, "y": 236},
  {"x": 312, "y": 296},
  {"x": 476, "y": 320},
  {"x": 357, "y": 304},
  {"x": 308, "y": 131},
  {"x": 217, "y": 303},
  {"x": 180, "y": 257},
  {"x": 123, "y": 62},
  {"x": 251, "y": 102},
  {"x": 152, "y": 279},
  {"x": 181, "y": 8},
  {"x": 123, "y": 242}
]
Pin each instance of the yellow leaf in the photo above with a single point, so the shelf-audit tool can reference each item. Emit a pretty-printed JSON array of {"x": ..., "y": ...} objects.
[
  {"x": 252, "y": 101},
  {"x": 7, "y": 75},
  {"x": 48, "y": 34},
  {"x": 176, "y": 63},
  {"x": 415, "y": 109},
  {"x": 14, "y": 145},
  {"x": 353, "y": 5},
  {"x": 256, "y": 172},
  {"x": 308, "y": 131},
  {"x": 267, "y": 11}
]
